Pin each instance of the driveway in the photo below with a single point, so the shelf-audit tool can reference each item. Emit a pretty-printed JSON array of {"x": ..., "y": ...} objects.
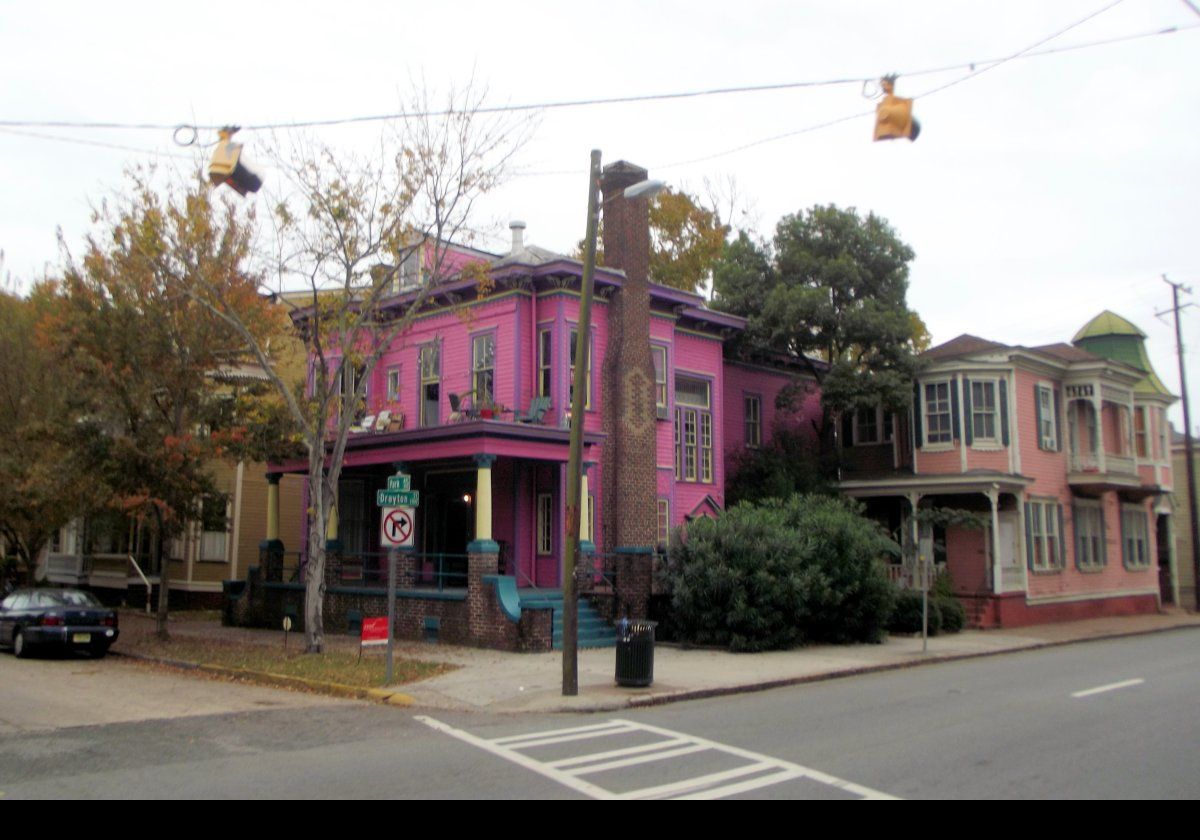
[{"x": 41, "y": 694}]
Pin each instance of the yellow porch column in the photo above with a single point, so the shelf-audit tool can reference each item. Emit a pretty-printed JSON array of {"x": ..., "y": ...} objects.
[{"x": 483, "y": 498}]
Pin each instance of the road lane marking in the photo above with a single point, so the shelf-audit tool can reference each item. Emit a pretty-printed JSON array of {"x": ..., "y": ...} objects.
[
  {"x": 763, "y": 770},
  {"x": 1101, "y": 689}
]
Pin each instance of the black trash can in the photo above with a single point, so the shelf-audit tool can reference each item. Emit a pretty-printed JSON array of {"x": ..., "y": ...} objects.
[{"x": 635, "y": 653}]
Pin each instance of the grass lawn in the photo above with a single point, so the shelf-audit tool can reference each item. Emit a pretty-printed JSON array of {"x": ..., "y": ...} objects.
[{"x": 336, "y": 666}]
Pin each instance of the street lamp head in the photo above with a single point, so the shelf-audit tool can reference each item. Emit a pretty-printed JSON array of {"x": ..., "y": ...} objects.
[{"x": 645, "y": 189}]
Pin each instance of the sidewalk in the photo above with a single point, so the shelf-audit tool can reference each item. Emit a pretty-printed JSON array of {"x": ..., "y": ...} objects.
[{"x": 493, "y": 681}]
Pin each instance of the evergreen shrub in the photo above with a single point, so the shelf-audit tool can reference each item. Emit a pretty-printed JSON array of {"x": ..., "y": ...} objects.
[{"x": 781, "y": 573}]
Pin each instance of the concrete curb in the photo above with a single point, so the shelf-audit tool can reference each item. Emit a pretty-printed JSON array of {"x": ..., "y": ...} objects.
[
  {"x": 353, "y": 692},
  {"x": 611, "y": 704}
]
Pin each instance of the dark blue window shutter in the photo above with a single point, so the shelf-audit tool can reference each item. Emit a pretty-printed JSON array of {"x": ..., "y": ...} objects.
[
  {"x": 1028, "y": 537},
  {"x": 1037, "y": 411},
  {"x": 1058, "y": 430},
  {"x": 957, "y": 433},
  {"x": 1003, "y": 398},
  {"x": 916, "y": 410},
  {"x": 969, "y": 431},
  {"x": 1062, "y": 539},
  {"x": 1103, "y": 559},
  {"x": 1078, "y": 542}
]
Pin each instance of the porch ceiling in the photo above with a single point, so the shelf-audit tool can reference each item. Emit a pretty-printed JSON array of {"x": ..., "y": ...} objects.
[{"x": 457, "y": 440}]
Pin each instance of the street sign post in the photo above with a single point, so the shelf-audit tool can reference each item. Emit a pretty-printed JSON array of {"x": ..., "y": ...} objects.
[{"x": 396, "y": 524}]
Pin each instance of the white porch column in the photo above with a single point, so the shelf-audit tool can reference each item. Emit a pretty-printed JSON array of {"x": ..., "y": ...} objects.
[
  {"x": 993, "y": 495},
  {"x": 1098, "y": 407},
  {"x": 914, "y": 499}
]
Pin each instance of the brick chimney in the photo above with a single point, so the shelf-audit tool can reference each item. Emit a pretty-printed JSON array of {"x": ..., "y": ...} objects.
[{"x": 629, "y": 462}]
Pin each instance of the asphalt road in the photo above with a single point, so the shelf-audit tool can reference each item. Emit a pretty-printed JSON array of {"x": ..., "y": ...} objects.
[{"x": 1096, "y": 720}]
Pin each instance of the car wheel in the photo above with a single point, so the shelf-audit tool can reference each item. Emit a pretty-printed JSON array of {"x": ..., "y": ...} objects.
[{"x": 20, "y": 648}]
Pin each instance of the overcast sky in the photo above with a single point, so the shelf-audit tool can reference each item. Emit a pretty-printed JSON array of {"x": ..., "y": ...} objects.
[{"x": 1040, "y": 192}]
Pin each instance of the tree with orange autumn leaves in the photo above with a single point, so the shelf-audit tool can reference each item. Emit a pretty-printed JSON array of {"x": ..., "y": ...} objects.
[{"x": 146, "y": 357}]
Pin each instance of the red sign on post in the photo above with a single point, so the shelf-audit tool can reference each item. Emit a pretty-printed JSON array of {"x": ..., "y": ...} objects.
[{"x": 374, "y": 631}]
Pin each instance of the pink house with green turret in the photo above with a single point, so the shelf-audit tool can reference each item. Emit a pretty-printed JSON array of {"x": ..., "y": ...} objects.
[{"x": 1061, "y": 452}]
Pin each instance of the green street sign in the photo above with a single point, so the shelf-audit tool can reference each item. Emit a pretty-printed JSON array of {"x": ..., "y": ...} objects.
[
  {"x": 398, "y": 498},
  {"x": 400, "y": 481}
]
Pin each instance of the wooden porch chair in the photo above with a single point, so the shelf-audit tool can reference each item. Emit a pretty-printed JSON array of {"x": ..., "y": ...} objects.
[{"x": 538, "y": 407}]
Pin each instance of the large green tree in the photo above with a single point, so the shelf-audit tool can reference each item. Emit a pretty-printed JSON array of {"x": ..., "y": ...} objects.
[
  {"x": 832, "y": 285},
  {"x": 47, "y": 460}
]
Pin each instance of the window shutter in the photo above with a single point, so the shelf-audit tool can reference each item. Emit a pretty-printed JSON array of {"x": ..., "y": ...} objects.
[
  {"x": 1028, "y": 537},
  {"x": 847, "y": 428},
  {"x": 956, "y": 434},
  {"x": 917, "y": 412},
  {"x": 1058, "y": 436},
  {"x": 1062, "y": 539},
  {"x": 1078, "y": 538},
  {"x": 969, "y": 431},
  {"x": 1003, "y": 398},
  {"x": 1037, "y": 410},
  {"x": 1103, "y": 558}
]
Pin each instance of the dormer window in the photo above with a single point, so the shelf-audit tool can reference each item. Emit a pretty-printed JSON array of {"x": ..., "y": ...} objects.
[{"x": 412, "y": 270}]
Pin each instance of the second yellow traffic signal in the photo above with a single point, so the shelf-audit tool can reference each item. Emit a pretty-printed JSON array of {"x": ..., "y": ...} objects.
[{"x": 893, "y": 114}]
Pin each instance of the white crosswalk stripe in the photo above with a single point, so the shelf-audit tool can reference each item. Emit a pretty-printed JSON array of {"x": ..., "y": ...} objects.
[{"x": 753, "y": 770}]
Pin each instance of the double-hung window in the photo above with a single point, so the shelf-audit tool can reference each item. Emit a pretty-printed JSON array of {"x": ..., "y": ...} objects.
[
  {"x": 1135, "y": 538},
  {"x": 393, "y": 385},
  {"x": 664, "y": 521},
  {"x": 587, "y": 376},
  {"x": 1141, "y": 432},
  {"x": 1090, "y": 551},
  {"x": 483, "y": 368},
  {"x": 1047, "y": 414},
  {"x": 659, "y": 354},
  {"x": 752, "y": 414},
  {"x": 983, "y": 410},
  {"x": 214, "y": 528},
  {"x": 545, "y": 523},
  {"x": 693, "y": 430},
  {"x": 1044, "y": 524},
  {"x": 545, "y": 357},
  {"x": 431, "y": 383},
  {"x": 938, "y": 425}
]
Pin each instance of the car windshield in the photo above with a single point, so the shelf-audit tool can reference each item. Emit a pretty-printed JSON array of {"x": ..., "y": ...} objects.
[{"x": 67, "y": 598}]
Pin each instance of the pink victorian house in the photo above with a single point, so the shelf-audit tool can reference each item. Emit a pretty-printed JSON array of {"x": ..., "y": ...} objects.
[
  {"x": 1061, "y": 450},
  {"x": 472, "y": 403}
]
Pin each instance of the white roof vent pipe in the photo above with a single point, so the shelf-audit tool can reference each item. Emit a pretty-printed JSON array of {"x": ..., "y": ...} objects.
[{"x": 518, "y": 236}]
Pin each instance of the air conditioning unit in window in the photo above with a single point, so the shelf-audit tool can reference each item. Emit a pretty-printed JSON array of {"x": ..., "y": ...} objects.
[{"x": 662, "y": 412}]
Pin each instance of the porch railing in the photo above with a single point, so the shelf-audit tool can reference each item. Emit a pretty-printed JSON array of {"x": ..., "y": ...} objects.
[{"x": 1089, "y": 462}]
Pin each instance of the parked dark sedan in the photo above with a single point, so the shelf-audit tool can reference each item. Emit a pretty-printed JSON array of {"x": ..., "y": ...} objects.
[{"x": 67, "y": 619}]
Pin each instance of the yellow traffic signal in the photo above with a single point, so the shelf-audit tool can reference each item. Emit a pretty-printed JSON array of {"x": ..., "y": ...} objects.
[
  {"x": 893, "y": 114},
  {"x": 226, "y": 166}
]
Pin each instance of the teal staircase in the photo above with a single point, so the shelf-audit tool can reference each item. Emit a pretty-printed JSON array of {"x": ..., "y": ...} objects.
[{"x": 594, "y": 631}]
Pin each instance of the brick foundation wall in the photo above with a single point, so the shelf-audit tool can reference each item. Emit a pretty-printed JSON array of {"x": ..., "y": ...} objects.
[
  {"x": 472, "y": 618},
  {"x": 1007, "y": 611}
]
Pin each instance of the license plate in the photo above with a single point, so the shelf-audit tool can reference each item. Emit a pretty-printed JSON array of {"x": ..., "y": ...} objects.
[{"x": 81, "y": 638}]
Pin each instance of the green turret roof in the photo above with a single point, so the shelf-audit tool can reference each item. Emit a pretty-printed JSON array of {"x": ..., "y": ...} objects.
[{"x": 1113, "y": 337}]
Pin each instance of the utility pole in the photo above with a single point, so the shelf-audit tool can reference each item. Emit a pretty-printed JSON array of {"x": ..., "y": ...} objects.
[
  {"x": 570, "y": 640},
  {"x": 1188, "y": 450}
]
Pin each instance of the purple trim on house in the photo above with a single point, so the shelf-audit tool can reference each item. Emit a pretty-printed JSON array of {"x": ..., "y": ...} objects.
[{"x": 477, "y": 437}]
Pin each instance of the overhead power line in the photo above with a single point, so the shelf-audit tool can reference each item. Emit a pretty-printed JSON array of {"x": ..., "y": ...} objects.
[{"x": 974, "y": 67}]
